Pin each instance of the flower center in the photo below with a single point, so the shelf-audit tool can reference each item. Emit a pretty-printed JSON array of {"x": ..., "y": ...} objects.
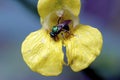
[{"x": 57, "y": 17}]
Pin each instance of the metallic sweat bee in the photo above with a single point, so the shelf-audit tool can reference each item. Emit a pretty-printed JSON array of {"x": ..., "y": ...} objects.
[{"x": 60, "y": 27}]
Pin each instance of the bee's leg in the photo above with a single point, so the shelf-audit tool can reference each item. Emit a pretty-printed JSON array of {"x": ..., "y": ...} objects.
[
  {"x": 63, "y": 35},
  {"x": 58, "y": 21},
  {"x": 66, "y": 31},
  {"x": 70, "y": 33},
  {"x": 56, "y": 38}
]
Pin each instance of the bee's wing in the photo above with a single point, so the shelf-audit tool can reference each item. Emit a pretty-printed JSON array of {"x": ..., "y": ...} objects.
[
  {"x": 66, "y": 22},
  {"x": 83, "y": 47},
  {"x": 42, "y": 54}
]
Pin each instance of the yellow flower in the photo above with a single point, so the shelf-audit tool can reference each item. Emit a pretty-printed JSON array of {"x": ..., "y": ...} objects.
[{"x": 43, "y": 53}]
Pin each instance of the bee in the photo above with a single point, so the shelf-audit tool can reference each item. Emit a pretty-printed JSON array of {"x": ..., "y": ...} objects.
[{"x": 64, "y": 26}]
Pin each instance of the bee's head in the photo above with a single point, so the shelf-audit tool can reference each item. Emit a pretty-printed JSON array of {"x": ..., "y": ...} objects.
[{"x": 55, "y": 29}]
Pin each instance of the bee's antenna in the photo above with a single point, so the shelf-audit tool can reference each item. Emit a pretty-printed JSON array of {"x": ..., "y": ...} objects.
[
  {"x": 59, "y": 14},
  {"x": 59, "y": 20}
]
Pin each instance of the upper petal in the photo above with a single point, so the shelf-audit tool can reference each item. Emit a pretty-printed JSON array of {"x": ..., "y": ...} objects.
[
  {"x": 42, "y": 54},
  {"x": 73, "y": 6},
  {"x": 83, "y": 47},
  {"x": 47, "y": 6}
]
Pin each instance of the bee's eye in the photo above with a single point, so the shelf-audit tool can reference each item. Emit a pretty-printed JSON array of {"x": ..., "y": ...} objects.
[
  {"x": 52, "y": 34},
  {"x": 54, "y": 29}
]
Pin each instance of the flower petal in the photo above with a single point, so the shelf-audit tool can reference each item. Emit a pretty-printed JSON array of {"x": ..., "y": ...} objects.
[
  {"x": 45, "y": 7},
  {"x": 73, "y": 6},
  {"x": 83, "y": 47},
  {"x": 42, "y": 54}
]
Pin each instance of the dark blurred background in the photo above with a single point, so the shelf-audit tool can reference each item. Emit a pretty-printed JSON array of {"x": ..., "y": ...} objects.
[{"x": 18, "y": 18}]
